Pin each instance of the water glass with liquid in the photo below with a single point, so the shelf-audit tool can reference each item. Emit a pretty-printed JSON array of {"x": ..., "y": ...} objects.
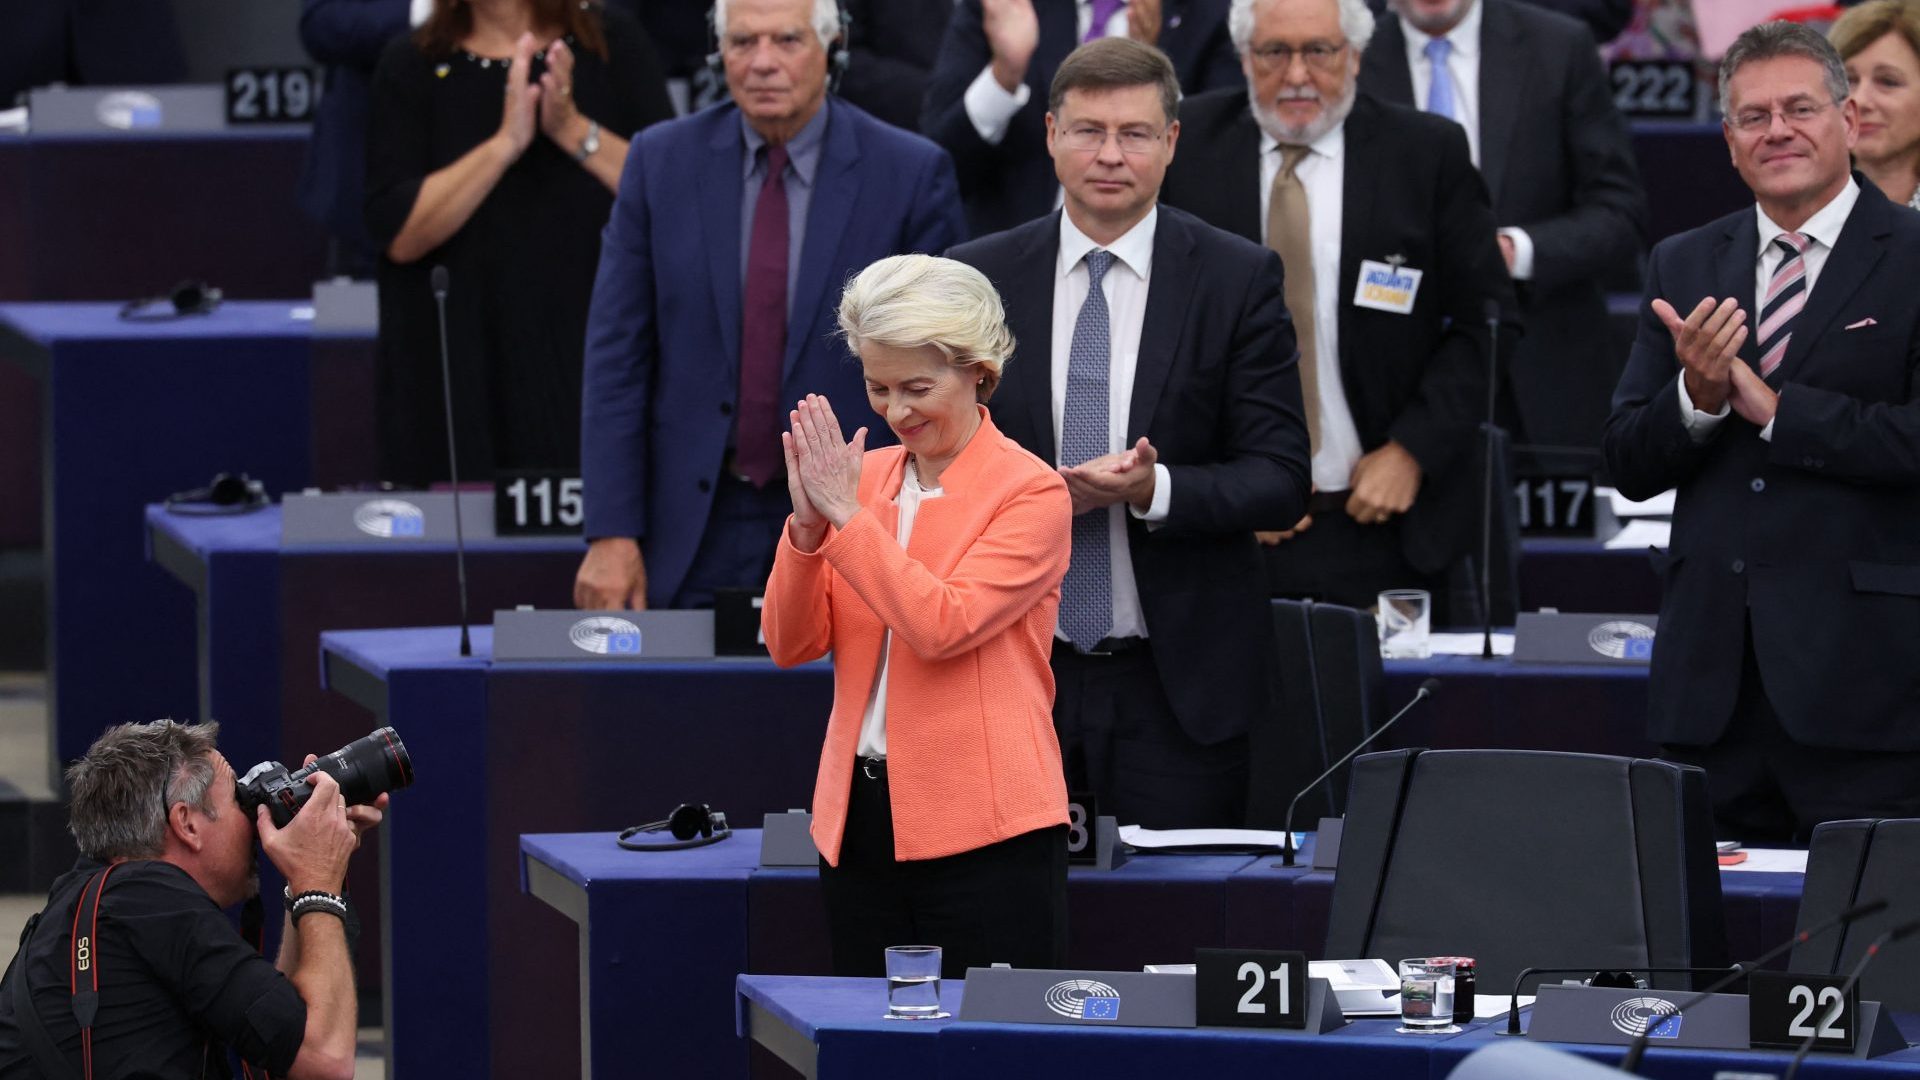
[
  {"x": 1426, "y": 996},
  {"x": 913, "y": 983}
]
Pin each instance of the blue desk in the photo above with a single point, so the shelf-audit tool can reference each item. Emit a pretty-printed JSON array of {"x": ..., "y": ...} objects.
[
  {"x": 131, "y": 412},
  {"x": 637, "y": 985},
  {"x": 830, "y": 1027}
]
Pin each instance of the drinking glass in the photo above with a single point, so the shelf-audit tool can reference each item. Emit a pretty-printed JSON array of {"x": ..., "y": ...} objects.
[
  {"x": 1405, "y": 616},
  {"x": 913, "y": 983},
  {"x": 1426, "y": 996}
]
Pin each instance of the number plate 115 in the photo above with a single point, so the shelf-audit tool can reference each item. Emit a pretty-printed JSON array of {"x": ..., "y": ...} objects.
[{"x": 534, "y": 502}]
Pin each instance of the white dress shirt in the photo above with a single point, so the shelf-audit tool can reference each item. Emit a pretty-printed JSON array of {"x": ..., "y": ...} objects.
[
  {"x": 1823, "y": 229},
  {"x": 1322, "y": 173},
  {"x": 873, "y": 726},
  {"x": 1125, "y": 287},
  {"x": 992, "y": 108},
  {"x": 1463, "y": 63}
]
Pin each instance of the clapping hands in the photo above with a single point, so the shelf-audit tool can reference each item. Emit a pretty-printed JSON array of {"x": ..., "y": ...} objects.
[{"x": 823, "y": 471}]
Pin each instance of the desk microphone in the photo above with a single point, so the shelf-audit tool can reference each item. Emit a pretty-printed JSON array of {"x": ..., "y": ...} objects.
[
  {"x": 1513, "y": 1002},
  {"x": 1427, "y": 687},
  {"x": 1492, "y": 313},
  {"x": 453, "y": 457},
  {"x": 1853, "y": 977},
  {"x": 1631, "y": 1062}
]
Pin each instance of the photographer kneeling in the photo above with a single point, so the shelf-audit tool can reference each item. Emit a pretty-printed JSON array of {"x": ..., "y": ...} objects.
[{"x": 165, "y": 845}]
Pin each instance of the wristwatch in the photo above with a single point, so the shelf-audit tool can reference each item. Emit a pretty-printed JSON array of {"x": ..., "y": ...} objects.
[{"x": 591, "y": 144}]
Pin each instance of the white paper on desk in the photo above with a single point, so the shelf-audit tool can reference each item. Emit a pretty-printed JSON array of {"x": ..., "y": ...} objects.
[
  {"x": 1642, "y": 533},
  {"x": 1486, "y": 1006},
  {"x": 1660, "y": 505},
  {"x": 1452, "y": 644},
  {"x": 1240, "y": 839},
  {"x": 1772, "y": 861}
]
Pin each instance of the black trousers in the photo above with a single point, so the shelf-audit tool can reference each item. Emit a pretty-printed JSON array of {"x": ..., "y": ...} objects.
[
  {"x": 1120, "y": 740},
  {"x": 1340, "y": 561},
  {"x": 1003, "y": 903},
  {"x": 1768, "y": 787}
]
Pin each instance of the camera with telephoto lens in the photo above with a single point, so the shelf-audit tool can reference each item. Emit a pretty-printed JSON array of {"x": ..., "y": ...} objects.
[{"x": 365, "y": 769}]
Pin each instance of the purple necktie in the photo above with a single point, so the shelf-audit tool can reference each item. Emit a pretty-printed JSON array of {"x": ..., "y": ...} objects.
[
  {"x": 1103, "y": 11},
  {"x": 763, "y": 330}
]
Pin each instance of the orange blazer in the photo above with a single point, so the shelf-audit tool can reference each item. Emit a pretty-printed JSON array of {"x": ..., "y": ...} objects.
[{"x": 971, "y": 754}]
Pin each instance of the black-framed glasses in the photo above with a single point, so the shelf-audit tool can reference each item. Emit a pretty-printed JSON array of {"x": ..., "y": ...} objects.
[{"x": 1278, "y": 55}]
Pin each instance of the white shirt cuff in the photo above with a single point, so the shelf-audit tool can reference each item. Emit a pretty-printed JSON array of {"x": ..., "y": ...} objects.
[
  {"x": 1522, "y": 252},
  {"x": 1767, "y": 432},
  {"x": 991, "y": 108},
  {"x": 418, "y": 11},
  {"x": 1156, "y": 511},
  {"x": 1702, "y": 424}
]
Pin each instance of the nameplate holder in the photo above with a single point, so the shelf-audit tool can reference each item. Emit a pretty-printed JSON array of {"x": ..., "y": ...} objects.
[
  {"x": 399, "y": 518},
  {"x": 128, "y": 110},
  {"x": 346, "y": 307},
  {"x": 1326, "y": 843},
  {"x": 1093, "y": 838},
  {"x": 736, "y": 623},
  {"x": 1542, "y": 637},
  {"x": 1615, "y": 1017},
  {"x": 602, "y": 636},
  {"x": 1078, "y": 998},
  {"x": 1786, "y": 1007},
  {"x": 785, "y": 840},
  {"x": 1262, "y": 988}
]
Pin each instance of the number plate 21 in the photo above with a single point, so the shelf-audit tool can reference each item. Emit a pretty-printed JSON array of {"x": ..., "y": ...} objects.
[{"x": 1250, "y": 988}]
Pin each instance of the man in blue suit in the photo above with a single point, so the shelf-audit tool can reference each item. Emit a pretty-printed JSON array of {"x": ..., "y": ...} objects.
[
  {"x": 1775, "y": 382},
  {"x": 712, "y": 313}
]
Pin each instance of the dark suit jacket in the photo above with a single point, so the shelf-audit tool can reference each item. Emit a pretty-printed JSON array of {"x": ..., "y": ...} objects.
[
  {"x": 1814, "y": 537},
  {"x": 347, "y": 36},
  {"x": 88, "y": 43},
  {"x": 1418, "y": 379},
  {"x": 1558, "y": 164},
  {"x": 663, "y": 334},
  {"x": 1013, "y": 182},
  {"x": 1604, "y": 18},
  {"x": 892, "y": 45},
  {"x": 1215, "y": 390}
]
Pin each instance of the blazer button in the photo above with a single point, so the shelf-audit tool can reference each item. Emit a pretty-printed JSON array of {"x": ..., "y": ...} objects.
[
  {"x": 726, "y": 408},
  {"x": 706, "y": 486},
  {"x": 1759, "y": 484},
  {"x": 1739, "y": 566}
]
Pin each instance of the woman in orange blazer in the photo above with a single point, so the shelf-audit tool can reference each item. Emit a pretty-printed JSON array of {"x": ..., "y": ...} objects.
[{"x": 931, "y": 571}]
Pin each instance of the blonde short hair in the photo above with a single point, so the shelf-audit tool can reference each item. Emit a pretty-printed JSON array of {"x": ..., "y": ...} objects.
[
  {"x": 913, "y": 301},
  {"x": 1867, "y": 23}
]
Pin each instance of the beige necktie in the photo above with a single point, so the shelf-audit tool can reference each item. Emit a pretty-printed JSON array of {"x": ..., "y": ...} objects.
[{"x": 1289, "y": 234}]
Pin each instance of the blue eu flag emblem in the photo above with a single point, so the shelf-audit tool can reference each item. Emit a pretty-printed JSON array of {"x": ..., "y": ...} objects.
[
  {"x": 1100, "y": 1008},
  {"x": 1639, "y": 648},
  {"x": 625, "y": 644},
  {"x": 1666, "y": 1029},
  {"x": 407, "y": 525}
]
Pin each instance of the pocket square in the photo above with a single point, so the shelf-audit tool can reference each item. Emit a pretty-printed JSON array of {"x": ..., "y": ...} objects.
[{"x": 1868, "y": 321}]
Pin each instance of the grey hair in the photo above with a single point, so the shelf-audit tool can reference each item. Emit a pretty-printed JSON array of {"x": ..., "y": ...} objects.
[
  {"x": 127, "y": 782},
  {"x": 913, "y": 301},
  {"x": 1776, "y": 39},
  {"x": 1356, "y": 22},
  {"x": 825, "y": 20}
]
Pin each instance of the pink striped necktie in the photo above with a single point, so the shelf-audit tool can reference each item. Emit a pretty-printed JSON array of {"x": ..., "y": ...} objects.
[{"x": 1786, "y": 295}]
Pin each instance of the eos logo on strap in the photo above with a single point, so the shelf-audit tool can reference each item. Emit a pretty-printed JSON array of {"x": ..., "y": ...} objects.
[
  {"x": 1084, "y": 999},
  {"x": 1622, "y": 639},
  {"x": 1630, "y": 1018},
  {"x": 605, "y": 635},
  {"x": 388, "y": 518}
]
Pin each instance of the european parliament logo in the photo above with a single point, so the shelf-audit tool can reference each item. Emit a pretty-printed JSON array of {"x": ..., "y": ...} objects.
[
  {"x": 605, "y": 635},
  {"x": 1631, "y": 1017},
  {"x": 1084, "y": 999},
  {"x": 1622, "y": 639},
  {"x": 390, "y": 519}
]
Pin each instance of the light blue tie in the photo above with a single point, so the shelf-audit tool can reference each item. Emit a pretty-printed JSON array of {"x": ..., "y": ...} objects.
[
  {"x": 1086, "y": 595},
  {"x": 1440, "y": 98}
]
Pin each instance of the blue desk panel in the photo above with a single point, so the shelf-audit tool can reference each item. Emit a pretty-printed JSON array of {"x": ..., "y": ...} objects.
[{"x": 654, "y": 989}]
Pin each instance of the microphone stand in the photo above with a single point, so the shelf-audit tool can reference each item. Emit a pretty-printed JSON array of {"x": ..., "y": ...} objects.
[
  {"x": 1486, "y": 496},
  {"x": 1286, "y": 838},
  {"x": 1853, "y": 978},
  {"x": 453, "y": 458}
]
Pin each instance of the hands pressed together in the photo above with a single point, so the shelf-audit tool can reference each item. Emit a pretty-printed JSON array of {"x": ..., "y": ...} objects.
[
  {"x": 823, "y": 471},
  {"x": 544, "y": 107},
  {"x": 1707, "y": 343},
  {"x": 1127, "y": 477}
]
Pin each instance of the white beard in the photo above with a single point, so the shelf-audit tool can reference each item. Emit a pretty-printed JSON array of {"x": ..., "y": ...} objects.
[{"x": 1332, "y": 115}]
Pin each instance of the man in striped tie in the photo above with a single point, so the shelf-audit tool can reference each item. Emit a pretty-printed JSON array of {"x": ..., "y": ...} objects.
[{"x": 1775, "y": 382}]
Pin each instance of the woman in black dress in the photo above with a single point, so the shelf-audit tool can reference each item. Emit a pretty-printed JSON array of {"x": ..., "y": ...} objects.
[{"x": 498, "y": 133}]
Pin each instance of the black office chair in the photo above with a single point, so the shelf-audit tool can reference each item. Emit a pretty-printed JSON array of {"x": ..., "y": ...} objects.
[
  {"x": 1330, "y": 691},
  {"x": 1852, "y": 862},
  {"x": 1519, "y": 858}
]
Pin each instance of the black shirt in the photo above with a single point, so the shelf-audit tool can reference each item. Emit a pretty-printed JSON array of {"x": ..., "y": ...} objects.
[{"x": 178, "y": 985}]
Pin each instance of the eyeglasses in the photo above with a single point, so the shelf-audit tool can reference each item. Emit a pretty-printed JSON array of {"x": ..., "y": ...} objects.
[
  {"x": 1132, "y": 140},
  {"x": 1278, "y": 56},
  {"x": 1755, "y": 121}
]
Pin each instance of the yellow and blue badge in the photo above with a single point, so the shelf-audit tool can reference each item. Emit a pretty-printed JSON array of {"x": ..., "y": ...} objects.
[{"x": 1387, "y": 286}]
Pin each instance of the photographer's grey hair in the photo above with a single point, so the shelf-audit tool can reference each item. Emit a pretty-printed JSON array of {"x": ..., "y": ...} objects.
[
  {"x": 1356, "y": 22},
  {"x": 124, "y": 787},
  {"x": 1770, "y": 41},
  {"x": 825, "y": 21}
]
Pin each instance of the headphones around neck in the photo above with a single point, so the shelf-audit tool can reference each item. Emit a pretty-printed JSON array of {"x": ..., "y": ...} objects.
[
  {"x": 190, "y": 297},
  {"x": 691, "y": 825},
  {"x": 837, "y": 52}
]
